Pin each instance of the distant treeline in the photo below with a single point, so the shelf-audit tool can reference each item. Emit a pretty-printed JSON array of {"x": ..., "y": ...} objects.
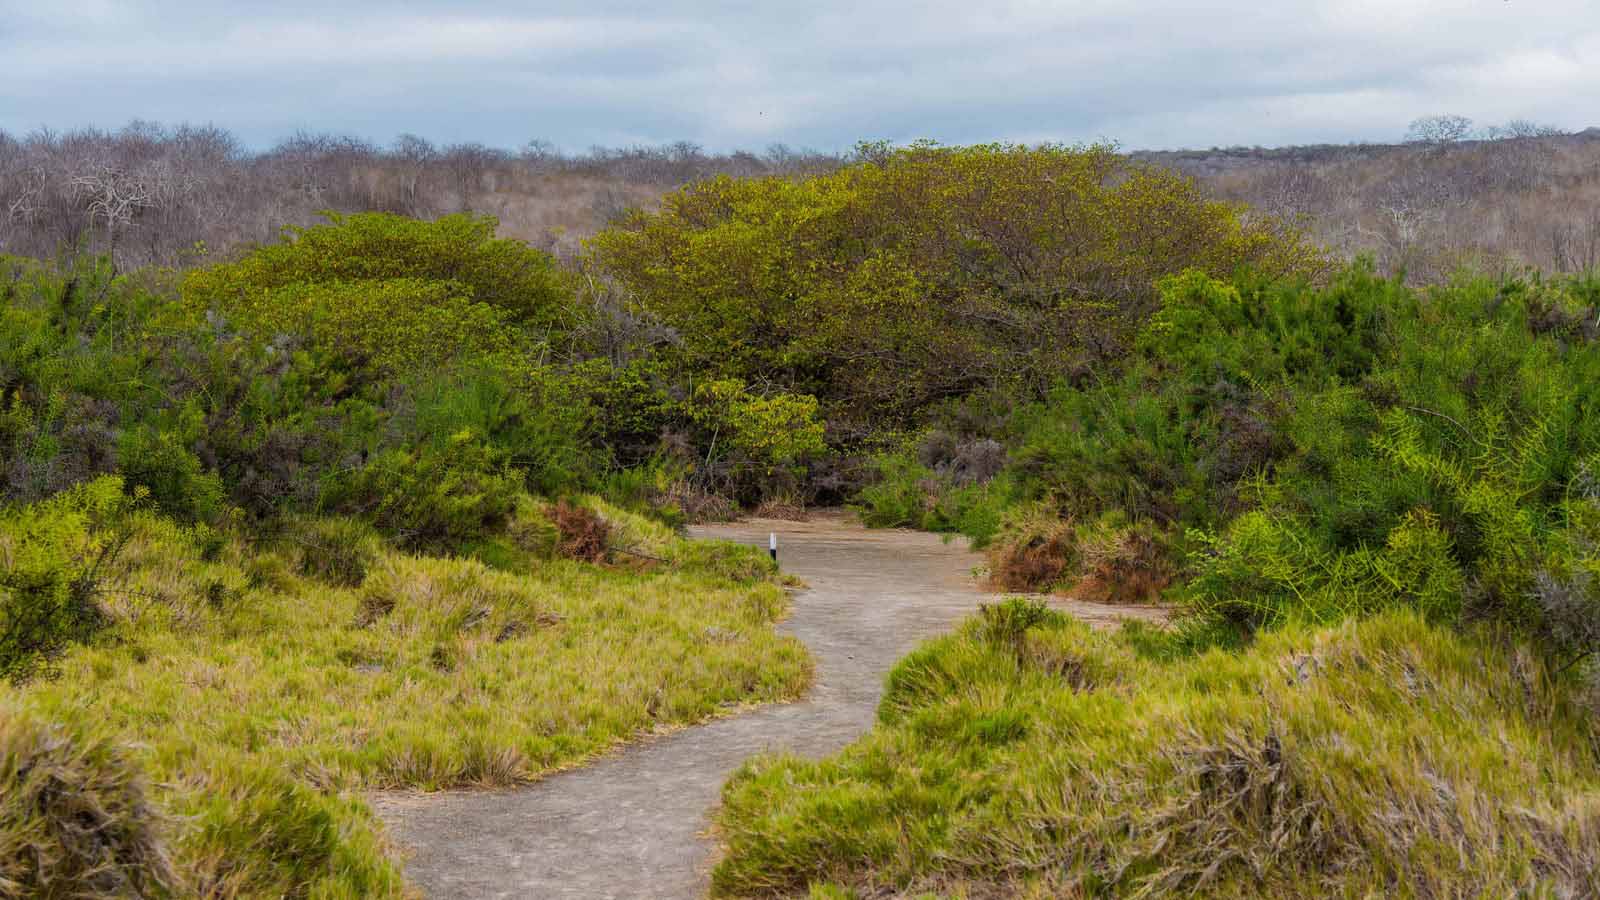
[
  {"x": 155, "y": 194},
  {"x": 1510, "y": 197},
  {"x": 1498, "y": 199}
]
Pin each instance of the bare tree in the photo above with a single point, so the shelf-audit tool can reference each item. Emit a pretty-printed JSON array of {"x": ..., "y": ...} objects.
[
  {"x": 468, "y": 165},
  {"x": 1521, "y": 128},
  {"x": 1437, "y": 131},
  {"x": 414, "y": 155},
  {"x": 113, "y": 196}
]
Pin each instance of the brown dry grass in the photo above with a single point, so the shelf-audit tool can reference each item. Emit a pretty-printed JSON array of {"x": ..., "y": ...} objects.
[
  {"x": 786, "y": 508},
  {"x": 1124, "y": 567},
  {"x": 585, "y": 536},
  {"x": 1035, "y": 552}
]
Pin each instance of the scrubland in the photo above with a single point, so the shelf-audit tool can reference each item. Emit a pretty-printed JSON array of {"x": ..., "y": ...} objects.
[{"x": 393, "y": 501}]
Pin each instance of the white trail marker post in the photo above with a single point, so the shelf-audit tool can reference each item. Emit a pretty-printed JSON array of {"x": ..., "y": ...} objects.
[{"x": 772, "y": 545}]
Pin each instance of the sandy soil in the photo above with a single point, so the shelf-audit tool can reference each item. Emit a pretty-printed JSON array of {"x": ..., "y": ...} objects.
[{"x": 633, "y": 825}]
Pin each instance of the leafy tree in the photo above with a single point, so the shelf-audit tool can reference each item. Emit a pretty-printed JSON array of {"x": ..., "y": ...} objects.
[{"x": 927, "y": 273}]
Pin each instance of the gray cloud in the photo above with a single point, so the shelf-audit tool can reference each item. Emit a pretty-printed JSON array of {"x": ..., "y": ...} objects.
[{"x": 1148, "y": 73}]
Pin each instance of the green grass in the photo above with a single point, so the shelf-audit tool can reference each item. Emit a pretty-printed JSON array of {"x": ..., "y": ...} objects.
[
  {"x": 1026, "y": 756},
  {"x": 262, "y": 702}
]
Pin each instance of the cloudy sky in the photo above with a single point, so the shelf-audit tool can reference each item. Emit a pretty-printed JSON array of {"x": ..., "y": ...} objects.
[{"x": 822, "y": 74}]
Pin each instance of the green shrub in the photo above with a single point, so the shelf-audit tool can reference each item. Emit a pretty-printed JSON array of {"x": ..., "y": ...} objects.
[
  {"x": 1279, "y": 451},
  {"x": 434, "y": 497},
  {"x": 900, "y": 497},
  {"x": 53, "y": 555},
  {"x": 905, "y": 279},
  {"x": 533, "y": 415},
  {"x": 757, "y": 446},
  {"x": 1005, "y": 623},
  {"x": 379, "y": 247},
  {"x": 531, "y": 530},
  {"x": 393, "y": 326},
  {"x": 724, "y": 559},
  {"x": 176, "y": 480}
]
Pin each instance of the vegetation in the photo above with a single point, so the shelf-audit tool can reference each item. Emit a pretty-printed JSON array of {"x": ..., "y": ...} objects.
[
  {"x": 393, "y": 503},
  {"x": 925, "y": 273},
  {"x": 1305, "y": 453},
  {"x": 1026, "y": 756},
  {"x": 75, "y": 818},
  {"x": 316, "y": 522},
  {"x": 263, "y": 700},
  {"x": 1508, "y": 196},
  {"x": 1374, "y": 508}
]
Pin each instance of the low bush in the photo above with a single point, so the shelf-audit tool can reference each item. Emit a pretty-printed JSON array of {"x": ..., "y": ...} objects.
[
  {"x": 1035, "y": 550},
  {"x": 434, "y": 497},
  {"x": 1276, "y": 451},
  {"x": 1124, "y": 563},
  {"x": 53, "y": 557},
  {"x": 531, "y": 529},
  {"x": 335, "y": 551},
  {"x": 380, "y": 248}
]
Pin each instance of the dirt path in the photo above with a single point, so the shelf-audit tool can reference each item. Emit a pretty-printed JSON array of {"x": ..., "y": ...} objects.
[{"x": 632, "y": 825}]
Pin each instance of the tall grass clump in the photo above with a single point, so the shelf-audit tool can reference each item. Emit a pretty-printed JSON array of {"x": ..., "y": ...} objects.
[
  {"x": 77, "y": 818},
  {"x": 1027, "y": 756}
]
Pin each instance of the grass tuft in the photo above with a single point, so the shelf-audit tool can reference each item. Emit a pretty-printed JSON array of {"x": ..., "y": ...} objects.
[{"x": 76, "y": 817}]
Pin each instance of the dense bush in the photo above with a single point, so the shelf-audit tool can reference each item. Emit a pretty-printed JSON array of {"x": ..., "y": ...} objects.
[
  {"x": 333, "y": 373},
  {"x": 1283, "y": 451},
  {"x": 384, "y": 253},
  {"x": 925, "y": 273},
  {"x": 434, "y": 497}
]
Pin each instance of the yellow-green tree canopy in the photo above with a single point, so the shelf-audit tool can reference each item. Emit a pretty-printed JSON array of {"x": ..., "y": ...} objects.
[
  {"x": 399, "y": 293},
  {"x": 927, "y": 272}
]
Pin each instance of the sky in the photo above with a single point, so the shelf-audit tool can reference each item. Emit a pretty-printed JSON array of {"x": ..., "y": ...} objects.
[{"x": 824, "y": 74}]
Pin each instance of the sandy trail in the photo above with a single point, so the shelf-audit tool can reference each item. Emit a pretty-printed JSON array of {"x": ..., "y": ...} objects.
[{"x": 633, "y": 825}]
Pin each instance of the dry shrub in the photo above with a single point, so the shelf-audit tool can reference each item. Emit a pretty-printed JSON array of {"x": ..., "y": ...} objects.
[
  {"x": 1035, "y": 551},
  {"x": 1253, "y": 803},
  {"x": 584, "y": 534},
  {"x": 75, "y": 817},
  {"x": 786, "y": 507},
  {"x": 698, "y": 504},
  {"x": 1126, "y": 566},
  {"x": 964, "y": 462},
  {"x": 1244, "y": 804}
]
